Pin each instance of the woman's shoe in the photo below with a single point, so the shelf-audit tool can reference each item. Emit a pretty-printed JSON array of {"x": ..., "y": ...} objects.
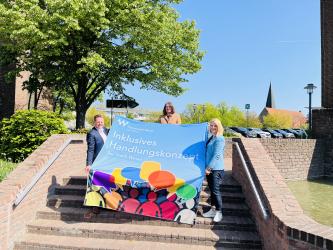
[
  {"x": 218, "y": 216},
  {"x": 210, "y": 214}
]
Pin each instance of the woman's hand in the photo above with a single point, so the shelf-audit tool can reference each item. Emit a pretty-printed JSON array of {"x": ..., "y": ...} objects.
[{"x": 87, "y": 169}]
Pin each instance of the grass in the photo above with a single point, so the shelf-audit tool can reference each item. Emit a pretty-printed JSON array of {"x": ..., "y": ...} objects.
[{"x": 5, "y": 168}]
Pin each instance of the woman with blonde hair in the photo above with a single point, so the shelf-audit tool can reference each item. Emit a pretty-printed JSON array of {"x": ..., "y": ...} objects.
[
  {"x": 215, "y": 168},
  {"x": 169, "y": 115}
]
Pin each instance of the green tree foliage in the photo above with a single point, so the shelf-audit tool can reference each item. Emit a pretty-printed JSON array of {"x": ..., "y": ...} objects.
[
  {"x": 202, "y": 113},
  {"x": 92, "y": 111},
  {"x": 21, "y": 134},
  {"x": 83, "y": 47},
  {"x": 154, "y": 117},
  {"x": 251, "y": 120},
  {"x": 229, "y": 116},
  {"x": 277, "y": 121}
]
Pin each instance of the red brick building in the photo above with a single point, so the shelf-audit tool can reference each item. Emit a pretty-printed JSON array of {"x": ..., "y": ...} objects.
[
  {"x": 13, "y": 97},
  {"x": 322, "y": 119},
  {"x": 297, "y": 117}
]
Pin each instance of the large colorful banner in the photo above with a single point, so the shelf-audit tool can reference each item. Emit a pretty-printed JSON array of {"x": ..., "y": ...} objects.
[{"x": 150, "y": 169}]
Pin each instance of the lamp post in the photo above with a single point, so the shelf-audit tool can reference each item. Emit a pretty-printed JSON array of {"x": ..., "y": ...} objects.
[
  {"x": 203, "y": 109},
  {"x": 194, "y": 106},
  {"x": 247, "y": 107},
  {"x": 309, "y": 89}
]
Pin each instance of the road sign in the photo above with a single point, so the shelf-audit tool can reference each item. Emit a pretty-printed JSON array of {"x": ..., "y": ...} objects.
[
  {"x": 121, "y": 103},
  {"x": 247, "y": 106}
]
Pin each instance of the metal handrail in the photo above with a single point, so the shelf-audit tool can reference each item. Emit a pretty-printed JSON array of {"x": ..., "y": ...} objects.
[
  {"x": 254, "y": 189},
  {"x": 24, "y": 191}
]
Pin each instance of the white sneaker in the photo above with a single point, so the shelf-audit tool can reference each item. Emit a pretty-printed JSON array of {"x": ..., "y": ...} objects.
[
  {"x": 210, "y": 214},
  {"x": 218, "y": 216}
]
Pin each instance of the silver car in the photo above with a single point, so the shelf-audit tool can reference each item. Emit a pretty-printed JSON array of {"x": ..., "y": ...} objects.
[{"x": 260, "y": 133}]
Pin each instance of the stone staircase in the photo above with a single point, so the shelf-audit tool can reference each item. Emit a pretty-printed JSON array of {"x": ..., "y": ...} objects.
[{"x": 61, "y": 225}]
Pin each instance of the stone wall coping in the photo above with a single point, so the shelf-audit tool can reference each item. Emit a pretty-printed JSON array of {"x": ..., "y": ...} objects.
[{"x": 282, "y": 204}]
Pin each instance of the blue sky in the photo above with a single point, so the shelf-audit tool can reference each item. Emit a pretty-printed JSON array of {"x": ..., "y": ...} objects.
[{"x": 249, "y": 43}]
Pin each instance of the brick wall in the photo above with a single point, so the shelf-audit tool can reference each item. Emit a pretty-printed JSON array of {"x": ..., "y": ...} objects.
[
  {"x": 322, "y": 121},
  {"x": 13, "y": 97},
  {"x": 297, "y": 159},
  {"x": 228, "y": 148},
  {"x": 70, "y": 162},
  {"x": 329, "y": 158},
  {"x": 327, "y": 53},
  {"x": 287, "y": 227},
  {"x": 21, "y": 96}
]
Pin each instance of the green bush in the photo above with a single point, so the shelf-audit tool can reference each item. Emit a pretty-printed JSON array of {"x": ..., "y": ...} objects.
[
  {"x": 25, "y": 131},
  {"x": 80, "y": 131}
]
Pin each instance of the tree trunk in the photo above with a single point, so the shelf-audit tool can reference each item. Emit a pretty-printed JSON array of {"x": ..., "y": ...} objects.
[
  {"x": 35, "y": 99},
  {"x": 80, "y": 116},
  {"x": 61, "y": 106},
  {"x": 29, "y": 102}
]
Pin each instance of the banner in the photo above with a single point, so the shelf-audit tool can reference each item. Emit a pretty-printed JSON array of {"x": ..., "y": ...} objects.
[{"x": 150, "y": 169}]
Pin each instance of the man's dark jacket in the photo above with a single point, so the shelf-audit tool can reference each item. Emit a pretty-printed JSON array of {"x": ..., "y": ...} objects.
[{"x": 95, "y": 144}]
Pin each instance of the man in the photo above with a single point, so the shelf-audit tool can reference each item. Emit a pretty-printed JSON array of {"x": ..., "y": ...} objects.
[{"x": 95, "y": 140}]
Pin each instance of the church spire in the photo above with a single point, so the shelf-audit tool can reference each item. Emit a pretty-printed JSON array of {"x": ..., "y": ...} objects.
[{"x": 270, "y": 103}]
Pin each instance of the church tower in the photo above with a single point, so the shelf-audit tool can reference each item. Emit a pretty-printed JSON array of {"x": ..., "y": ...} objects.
[{"x": 270, "y": 103}]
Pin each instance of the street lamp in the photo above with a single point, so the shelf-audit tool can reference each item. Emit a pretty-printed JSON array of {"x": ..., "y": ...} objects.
[
  {"x": 309, "y": 89},
  {"x": 197, "y": 109}
]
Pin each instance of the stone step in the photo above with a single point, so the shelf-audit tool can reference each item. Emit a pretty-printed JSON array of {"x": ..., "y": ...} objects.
[
  {"x": 134, "y": 232},
  {"x": 229, "y": 184},
  {"x": 57, "y": 201},
  {"x": 81, "y": 190},
  {"x": 231, "y": 223},
  {"x": 55, "y": 242}
]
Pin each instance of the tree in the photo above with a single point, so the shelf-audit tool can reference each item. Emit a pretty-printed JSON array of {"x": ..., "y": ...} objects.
[
  {"x": 229, "y": 116},
  {"x": 83, "y": 47},
  {"x": 153, "y": 117},
  {"x": 277, "y": 121},
  {"x": 92, "y": 111},
  {"x": 204, "y": 113},
  {"x": 251, "y": 121}
]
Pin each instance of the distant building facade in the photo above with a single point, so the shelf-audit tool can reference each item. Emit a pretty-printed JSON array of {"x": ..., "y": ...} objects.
[
  {"x": 297, "y": 118},
  {"x": 13, "y": 97}
]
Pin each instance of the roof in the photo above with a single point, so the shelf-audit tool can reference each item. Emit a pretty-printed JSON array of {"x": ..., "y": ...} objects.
[
  {"x": 270, "y": 103},
  {"x": 298, "y": 118}
]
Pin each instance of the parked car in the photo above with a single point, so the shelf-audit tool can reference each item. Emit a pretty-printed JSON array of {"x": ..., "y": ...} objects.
[
  {"x": 274, "y": 134},
  {"x": 260, "y": 133},
  {"x": 245, "y": 132},
  {"x": 304, "y": 135},
  {"x": 285, "y": 134},
  {"x": 297, "y": 134},
  {"x": 232, "y": 132}
]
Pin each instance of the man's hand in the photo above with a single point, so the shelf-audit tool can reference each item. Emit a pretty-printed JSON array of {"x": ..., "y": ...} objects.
[
  {"x": 87, "y": 169},
  {"x": 208, "y": 171}
]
